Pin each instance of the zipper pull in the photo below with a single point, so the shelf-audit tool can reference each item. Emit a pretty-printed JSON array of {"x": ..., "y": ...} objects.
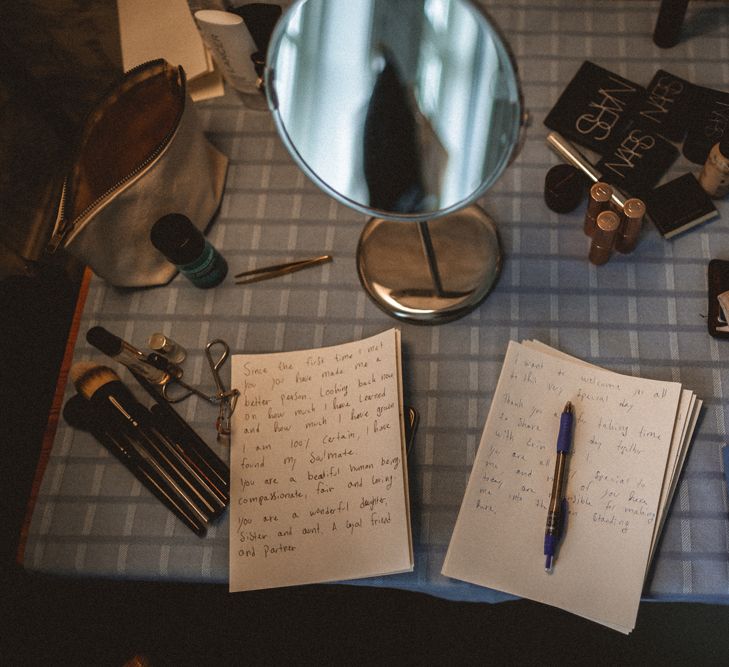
[
  {"x": 54, "y": 242},
  {"x": 61, "y": 227}
]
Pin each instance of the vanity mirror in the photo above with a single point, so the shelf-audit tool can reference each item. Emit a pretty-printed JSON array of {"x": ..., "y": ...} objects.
[{"x": 408, "y": 111}]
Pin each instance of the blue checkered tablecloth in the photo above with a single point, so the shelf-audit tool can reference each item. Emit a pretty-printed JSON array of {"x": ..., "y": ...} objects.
[{"x": 641, "y": 314}]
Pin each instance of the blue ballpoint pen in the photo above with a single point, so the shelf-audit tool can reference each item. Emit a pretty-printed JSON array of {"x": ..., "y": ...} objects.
[{"x": 557, "y": 503}]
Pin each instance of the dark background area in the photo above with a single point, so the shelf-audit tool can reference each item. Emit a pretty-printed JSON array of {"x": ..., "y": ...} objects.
[{"x": 55, "y": 58}]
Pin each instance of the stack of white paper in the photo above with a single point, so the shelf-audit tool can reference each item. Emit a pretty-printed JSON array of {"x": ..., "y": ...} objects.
[{"x": 630, "y": 439}]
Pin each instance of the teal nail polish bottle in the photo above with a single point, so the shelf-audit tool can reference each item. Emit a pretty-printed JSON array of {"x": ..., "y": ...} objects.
[{"x": 184, "y": 245}]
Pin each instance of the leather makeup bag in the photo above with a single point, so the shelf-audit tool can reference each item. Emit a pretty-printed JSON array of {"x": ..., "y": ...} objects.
[{"x": 142, "y": 154}]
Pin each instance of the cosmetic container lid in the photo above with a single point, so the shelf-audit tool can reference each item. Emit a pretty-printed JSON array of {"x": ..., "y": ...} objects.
[
  {"x": 177, "y": 238},
  {"x": 601, "y": 193},
  {"x": 634, "y": 209},
  {"x": 607, "y": 226},
  {"x": 564, "y": 188}
]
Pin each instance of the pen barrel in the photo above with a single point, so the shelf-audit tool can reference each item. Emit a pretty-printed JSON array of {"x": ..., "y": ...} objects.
[
  {"x": 555, "y": 498},
  {"x": 553, "y": 523},
  {"x": 564, "y": 439}
]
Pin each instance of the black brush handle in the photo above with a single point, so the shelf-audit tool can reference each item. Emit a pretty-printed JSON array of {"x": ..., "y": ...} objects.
[
  {"x": 79, "y": 413},
  {"x": 194, "y": 446},
  {"x": 178, "y": 438},
  {"x": 122, "y": 412}
]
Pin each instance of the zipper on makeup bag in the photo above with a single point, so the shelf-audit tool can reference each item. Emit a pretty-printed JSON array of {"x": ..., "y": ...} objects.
[{"x": 63, "y": 227}]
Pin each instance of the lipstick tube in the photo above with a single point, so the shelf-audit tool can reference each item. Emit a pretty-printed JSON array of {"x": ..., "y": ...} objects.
[
  {"x": 630, "y": 225},
  {"x": 603, "y": 240},
  {"x": 600, "y": 195}
]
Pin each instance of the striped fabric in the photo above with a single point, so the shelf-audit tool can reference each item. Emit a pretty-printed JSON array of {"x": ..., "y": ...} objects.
[{"x": 640, "y": 314}]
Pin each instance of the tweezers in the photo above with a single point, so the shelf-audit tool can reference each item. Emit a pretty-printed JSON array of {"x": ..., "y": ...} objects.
[{"x": 276, "y": 270}]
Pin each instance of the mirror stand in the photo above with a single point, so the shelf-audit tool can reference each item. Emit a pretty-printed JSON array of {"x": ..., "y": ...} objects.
[{"x": 430, "y": 272}]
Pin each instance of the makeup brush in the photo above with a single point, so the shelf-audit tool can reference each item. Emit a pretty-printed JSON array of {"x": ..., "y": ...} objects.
[
  {"x": 101, "y": 386},
  {"x": 80, "y": 414},
  {"x": 207, "y": 462},
  {"x": 188, "y": 444}
]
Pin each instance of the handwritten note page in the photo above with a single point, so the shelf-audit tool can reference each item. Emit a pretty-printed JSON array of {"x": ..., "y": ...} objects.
[
  {"x": 318, "y": 470},
  {"x": 622, "y": 435},
  {"x": 686, "y": 416}
]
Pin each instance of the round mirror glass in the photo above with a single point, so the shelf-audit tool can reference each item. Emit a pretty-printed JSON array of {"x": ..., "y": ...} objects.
[{"x": 401, "y": 108}]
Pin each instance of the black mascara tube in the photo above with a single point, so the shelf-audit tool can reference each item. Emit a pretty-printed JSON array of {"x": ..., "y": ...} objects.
[{"x": 126, "y": 354}]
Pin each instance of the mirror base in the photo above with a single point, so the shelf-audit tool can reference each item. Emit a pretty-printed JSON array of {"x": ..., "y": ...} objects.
[{"x": 430, "y": 272}]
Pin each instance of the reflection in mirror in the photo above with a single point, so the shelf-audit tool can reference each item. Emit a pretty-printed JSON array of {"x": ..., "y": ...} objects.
[{"x": 407, "y": 110}]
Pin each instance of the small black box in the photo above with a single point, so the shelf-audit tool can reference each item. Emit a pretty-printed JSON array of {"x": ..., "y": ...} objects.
[{"x": 679, "y": 205}]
